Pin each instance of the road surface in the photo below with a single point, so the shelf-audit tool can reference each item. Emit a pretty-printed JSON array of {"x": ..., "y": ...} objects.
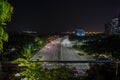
[{"x": 61, "y": 50}]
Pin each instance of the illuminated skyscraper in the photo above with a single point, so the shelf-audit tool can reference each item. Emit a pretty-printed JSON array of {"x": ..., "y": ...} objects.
[{"x": 113, "y": 27}]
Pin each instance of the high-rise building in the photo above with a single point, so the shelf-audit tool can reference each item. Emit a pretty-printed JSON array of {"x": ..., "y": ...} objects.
[{"x": 113, "y": 27}]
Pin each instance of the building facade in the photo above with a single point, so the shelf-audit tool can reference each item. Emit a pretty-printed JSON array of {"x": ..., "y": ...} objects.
[{"x": 113, "y": 27}]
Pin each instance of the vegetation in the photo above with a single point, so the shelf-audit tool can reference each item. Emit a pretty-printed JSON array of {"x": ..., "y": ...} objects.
[
  {"x": 6, "y": 11},
  {"x": 108, "y": 46},
  {"x": 17, "y": 42},
  {"x": 103, "y": 71}
]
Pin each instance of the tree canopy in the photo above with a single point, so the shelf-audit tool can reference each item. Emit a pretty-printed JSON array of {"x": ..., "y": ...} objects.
[{"x": 6, "y": 11}]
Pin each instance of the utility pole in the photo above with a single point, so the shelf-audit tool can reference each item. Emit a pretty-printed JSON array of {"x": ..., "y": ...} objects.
[
  {"x": 117, "y": 66},
  {"x": 59, "y": 51}
]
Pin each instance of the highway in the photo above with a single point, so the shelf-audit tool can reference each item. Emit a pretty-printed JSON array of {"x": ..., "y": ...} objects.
[{"x": 61, "y": 50}]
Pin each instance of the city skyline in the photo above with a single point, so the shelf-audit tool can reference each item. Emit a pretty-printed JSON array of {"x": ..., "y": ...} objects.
[{"x": 58, "y": 16}]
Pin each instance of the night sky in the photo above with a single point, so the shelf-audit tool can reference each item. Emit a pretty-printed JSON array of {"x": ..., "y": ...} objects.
[{"x": 62, "y": 15}]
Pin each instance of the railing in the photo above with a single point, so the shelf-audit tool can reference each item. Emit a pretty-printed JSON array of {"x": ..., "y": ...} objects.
[
  {"x": 116, "y": 62},
  {"x": 12, "y": 66},
  {"x": 83, "y": 61}
]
